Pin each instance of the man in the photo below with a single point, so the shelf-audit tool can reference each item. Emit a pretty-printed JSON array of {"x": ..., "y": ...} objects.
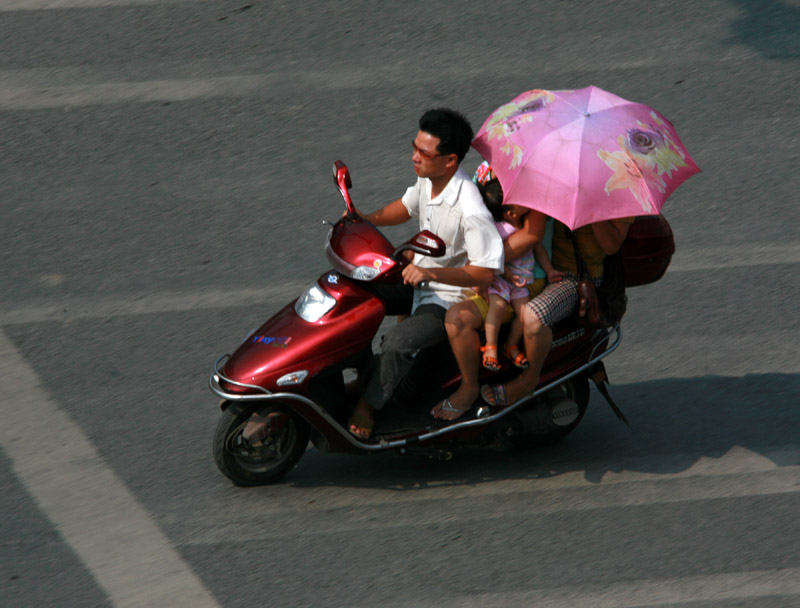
[{"x": 446, "y": 202}]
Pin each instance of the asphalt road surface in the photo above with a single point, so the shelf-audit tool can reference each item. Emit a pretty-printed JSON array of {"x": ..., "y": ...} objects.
[{"x": 165, "y": 171}]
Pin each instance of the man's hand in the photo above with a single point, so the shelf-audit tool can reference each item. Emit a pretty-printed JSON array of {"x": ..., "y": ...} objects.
[
  {"x": 481, "y": 291},
  {"x": 414, "y": 275}
]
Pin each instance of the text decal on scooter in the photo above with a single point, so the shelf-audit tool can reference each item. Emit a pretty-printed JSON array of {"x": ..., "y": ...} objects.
[{"x": 281, "y": 342}]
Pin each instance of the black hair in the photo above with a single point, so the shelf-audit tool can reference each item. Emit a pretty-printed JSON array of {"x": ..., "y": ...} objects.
[
  {"x": 492, "y": 193},
  {"x": 453, "y": 130}
]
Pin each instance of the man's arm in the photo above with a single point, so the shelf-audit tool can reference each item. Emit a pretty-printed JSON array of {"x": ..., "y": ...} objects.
[
  {"x": 610, "y": 234},
  {"x": 464, "y": 276},
  {"x": 391, "y": 215}
]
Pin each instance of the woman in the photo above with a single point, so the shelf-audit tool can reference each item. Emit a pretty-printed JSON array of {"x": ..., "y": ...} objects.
[{"x": 558, "y": 300}]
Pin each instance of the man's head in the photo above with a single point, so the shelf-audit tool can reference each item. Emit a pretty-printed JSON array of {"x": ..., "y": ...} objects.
[
  {"x": 453, "y": 130},
  {"x": 442, "y": 142}
]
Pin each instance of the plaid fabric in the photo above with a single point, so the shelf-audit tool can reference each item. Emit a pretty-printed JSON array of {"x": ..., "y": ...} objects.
[{"x": 557, "y": 301}]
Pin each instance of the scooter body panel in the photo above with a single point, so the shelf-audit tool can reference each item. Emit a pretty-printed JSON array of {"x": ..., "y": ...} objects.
[
  {"x": 286, "y": 343},
  {"x": 356, "y": 242}
]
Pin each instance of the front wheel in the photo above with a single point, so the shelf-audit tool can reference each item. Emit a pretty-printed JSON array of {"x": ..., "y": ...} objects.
[{"x": 263, "y": 461}]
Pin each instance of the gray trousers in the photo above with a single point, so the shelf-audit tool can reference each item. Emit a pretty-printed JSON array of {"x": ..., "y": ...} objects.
[{"x": 422, "y": 329}]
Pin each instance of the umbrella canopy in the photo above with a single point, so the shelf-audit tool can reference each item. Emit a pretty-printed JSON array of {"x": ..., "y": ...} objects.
[{"x": 583, "y": 155}]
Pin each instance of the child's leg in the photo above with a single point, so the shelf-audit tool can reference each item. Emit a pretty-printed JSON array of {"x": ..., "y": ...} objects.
[
  {"x": 515, "y": 332},
  {"x": 511, "y": 348},
  {"x": 494, "y": 319}
]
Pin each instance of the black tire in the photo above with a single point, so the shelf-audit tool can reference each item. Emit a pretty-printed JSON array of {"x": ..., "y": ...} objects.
[
  {"x": 248, "y": 465},
  {"x": 539, "y": 415}
]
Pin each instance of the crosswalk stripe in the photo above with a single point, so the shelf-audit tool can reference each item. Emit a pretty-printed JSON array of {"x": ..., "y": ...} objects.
[
  {"x": 712, "y": 258},
  {"x": 740, "y": 473},
  {"x": 43, "y": 96},
  {"x": 341, "y": 515},
  {"x": 92, "y": 509},
  {"x": 38, "y": 5},
  {"x": 68, "y": 309},
  {"x": 636, "y": 593},
  {"x": 88, "y": 308}
]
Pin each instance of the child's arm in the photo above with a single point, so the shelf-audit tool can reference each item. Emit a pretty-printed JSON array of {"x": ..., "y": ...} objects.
[
  {"x": 511, "y": 277},
  {"x": 540, "y": 253},
  {"x": 508, "y": 273}
]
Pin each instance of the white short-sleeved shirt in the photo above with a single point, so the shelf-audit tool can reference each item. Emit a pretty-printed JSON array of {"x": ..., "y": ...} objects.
[{"x": 459, "y": 217}]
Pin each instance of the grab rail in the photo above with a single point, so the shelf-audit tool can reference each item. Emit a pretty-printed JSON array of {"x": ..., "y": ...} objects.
[{"x": 214, "y": 385}]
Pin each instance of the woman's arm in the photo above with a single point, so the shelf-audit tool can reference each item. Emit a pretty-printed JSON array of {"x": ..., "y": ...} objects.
[{"x": 610, "y": 234}]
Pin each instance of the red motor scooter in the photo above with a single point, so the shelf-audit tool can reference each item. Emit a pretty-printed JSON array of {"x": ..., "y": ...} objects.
[{"x": 286, "y": 383}]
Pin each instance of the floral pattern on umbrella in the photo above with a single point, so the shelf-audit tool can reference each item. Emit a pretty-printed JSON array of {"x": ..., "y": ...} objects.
[
  {"x": 583, "y": 155},
  {"x": 645, "y": 154},
  {"x": 509, "y": 118}
]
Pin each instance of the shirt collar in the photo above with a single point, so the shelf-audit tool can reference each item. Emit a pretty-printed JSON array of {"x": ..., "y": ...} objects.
[{"x": 451, "y": 191}]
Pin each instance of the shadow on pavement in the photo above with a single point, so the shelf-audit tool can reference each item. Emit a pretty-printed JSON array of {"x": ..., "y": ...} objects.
[
  {"x": 771, "y": 27},
  {"x": 674, "y": 423}
]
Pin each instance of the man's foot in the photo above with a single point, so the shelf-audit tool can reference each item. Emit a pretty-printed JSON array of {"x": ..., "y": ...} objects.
[
  {"x": 361, "y": 422},
  {"x": 454, "y": 406}
]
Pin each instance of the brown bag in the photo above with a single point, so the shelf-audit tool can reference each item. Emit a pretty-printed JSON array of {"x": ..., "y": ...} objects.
[
  {"x": 588, "y": 305},
  {"x": 603, "y": 306}
]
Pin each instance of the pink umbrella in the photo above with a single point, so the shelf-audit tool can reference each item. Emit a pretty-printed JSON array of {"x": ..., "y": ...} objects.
[{"x": 584, "y": 155}]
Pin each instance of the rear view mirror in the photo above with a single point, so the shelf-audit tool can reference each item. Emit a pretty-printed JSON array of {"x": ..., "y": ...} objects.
[
  {"x": 341, "y": 174},
  {"x": 425, "y": 242},
  {"x": 341, "y": 177}
]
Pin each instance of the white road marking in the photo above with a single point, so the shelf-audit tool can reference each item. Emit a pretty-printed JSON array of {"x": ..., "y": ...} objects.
[
  {"x": 38, "y": 5},
  {"x": 737, "y": 474},
  {"x": 280, "y": 294},
  {"x": 631, "y": 594},
  {"x": 712, "y": 258},
  {"x": 89, "y": 505},
  {"x": 68, "y": 309},
  {"x": 40, "y": 88},
  {"x": 37, "y": 97}
]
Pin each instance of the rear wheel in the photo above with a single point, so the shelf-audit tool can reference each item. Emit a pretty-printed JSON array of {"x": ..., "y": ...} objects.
[
  {"x": 265, "y": 460},
  {"x": 552, "y": 416}
]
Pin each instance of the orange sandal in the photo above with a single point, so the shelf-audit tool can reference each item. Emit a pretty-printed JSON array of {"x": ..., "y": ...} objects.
[
  {"x": 517, "y": 357},
  {"x": 489, "y": 362}
]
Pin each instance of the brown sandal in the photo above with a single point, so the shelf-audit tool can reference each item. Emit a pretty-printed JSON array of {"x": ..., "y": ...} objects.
[{"x": 489, "y": 362}]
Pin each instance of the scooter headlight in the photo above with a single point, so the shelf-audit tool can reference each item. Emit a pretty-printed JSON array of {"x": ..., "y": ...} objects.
[
  {"x": 365, "y": 273},
  {"x": 314, "y": 304}
]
